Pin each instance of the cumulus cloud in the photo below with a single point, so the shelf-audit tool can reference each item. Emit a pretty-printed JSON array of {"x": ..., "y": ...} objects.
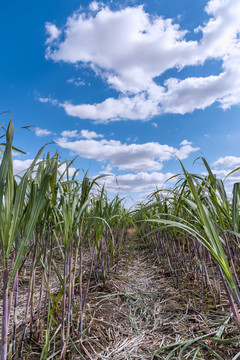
[
  {"x": 223, "y": 166},
  {"x": 134, "y": 108},
  {"x": 227, "y": 162},
  {"x": 83, "y": 134},
  {"x": 41, "y": 132},
  {"x": 228, "y": 180},
  {"x": 90, "y": 134},
  {"x": 130, "y": 49},
  {"x": 140, "y": 182},
  {"x": 71, "y": 169},
  {"x": 128, "y": 157},
  {"x": 21, "y": 166},
  {"x": 94, "y": 6},
  {"x": 70, "y": 133}
]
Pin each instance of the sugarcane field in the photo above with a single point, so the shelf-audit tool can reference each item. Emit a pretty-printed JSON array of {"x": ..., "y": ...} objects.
[
  {"x": 83, "y": 277},
  {"x": 120, "y": 180}
]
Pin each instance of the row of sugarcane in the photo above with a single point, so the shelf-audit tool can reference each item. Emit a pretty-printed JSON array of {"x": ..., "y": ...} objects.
[
  {"x": 194, "y": 229},
  {"x": 47, "y": 216},
  {"x": 48, "y": 221},
  {"x": 186, "y": 261}
]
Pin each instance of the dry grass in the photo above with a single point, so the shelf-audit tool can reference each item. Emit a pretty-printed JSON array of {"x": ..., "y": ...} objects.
[
  {"x": 137, "y": 311},
  {"x": 140, "y": 310}
]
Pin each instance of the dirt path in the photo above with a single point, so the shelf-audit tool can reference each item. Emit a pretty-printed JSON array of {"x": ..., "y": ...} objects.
[{"x": 140, "y": 310}]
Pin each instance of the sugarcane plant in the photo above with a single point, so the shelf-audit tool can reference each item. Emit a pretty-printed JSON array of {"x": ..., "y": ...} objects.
[
  {"x": 45, "y": 214},
  {"x": 13, "y": 206},
  {"x": 198, "y": 215}
]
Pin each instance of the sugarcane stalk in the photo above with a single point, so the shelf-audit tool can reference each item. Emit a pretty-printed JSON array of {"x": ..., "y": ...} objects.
[
  {"x": 80, "y": 292},
  {"x": 63, "y": 341},
  {"x": 5, "y": 313},
  {"x": 86, "y": 293},
  {"x": 69, "y": 317},
  {"x": 28, "y": 299},
  {"x": 231, "y": 300}
]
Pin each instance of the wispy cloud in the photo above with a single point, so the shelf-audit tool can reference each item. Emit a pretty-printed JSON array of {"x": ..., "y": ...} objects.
[
  {"x": 77, "y": 82},
  {"x": 52, "y": 31},
  {"x": 41, "y": 132},
  {"x": 48, "y": 100}
]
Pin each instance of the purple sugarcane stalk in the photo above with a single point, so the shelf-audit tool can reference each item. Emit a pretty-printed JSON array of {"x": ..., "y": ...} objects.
[
  {"x": 86, "y": 293},
  {"x": 80, "y": 292},
  {"x": 218, "y": 298},
  {"x": 184, "y": 258},
  {"x": 15, "y": 318},
  {"x": 201, "y": 296},
  {"x": 69, "y": 317},
  {"x": 5, "y": 314},
  {"x": 208, "y": 280},
  {"x": 63, "y": 312},
  {"x": 231, "y": 301},
  {"x": 231, "y": 260},
  {"x": 28, "y": 300},
  {"x": 190, "y": 257}
]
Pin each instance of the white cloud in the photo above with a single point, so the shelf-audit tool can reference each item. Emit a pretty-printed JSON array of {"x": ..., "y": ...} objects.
[
  {"x": 21, "y": 166},
  {"x": 185, "y": 142},
  {"x": 71, "y": 169},
  {"x": 48, "y": 100},
  {"x": 223, "y": 166},
  {"x": 16, "y": 153},
  {"x": 185, "y": 150},
  {"x": 228, "y": 180},
  {"x": 94, "y": 6},
  {"x": 227, "y": 162},
  {"x": 90, "y": 134},
  {"x": 70, "y": 133},
  {"x": 128, "y": 157},
  {"x": 41, "y": 132},
  {"x": 140, "y": 182},
  {"x": 77, "y": 82},
  {"x": 124, "y": 108},
  {"x": 44, "y": 99},
  {"x": 184, "y": 96},
  {"x": 83, "y": 134},
  {"x": 52, "y": 31},
  {"x": 130, "y": 48}
]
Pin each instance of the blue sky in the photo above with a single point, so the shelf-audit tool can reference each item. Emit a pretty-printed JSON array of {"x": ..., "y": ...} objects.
[{"x": 125, "y": 85}]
